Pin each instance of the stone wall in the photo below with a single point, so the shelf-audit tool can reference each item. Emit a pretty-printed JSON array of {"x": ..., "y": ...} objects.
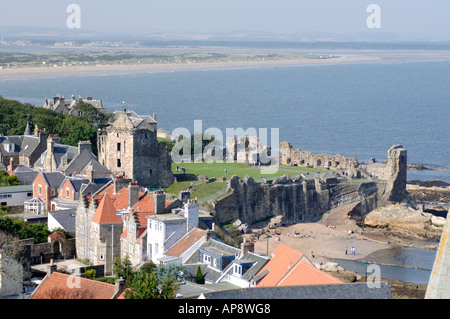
[
  {"x": 295, "y": 199},
  {"x": 301, "y": 199},
  {"x": 135, "y": 152},
  {"x": 345, "y": 166}
]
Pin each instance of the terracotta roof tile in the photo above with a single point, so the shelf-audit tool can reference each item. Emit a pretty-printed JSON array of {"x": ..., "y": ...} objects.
[
  {"x": 63, "y": 286},
  {"x": 290, "y": 267},
  {"x": 106, "y": 212},
  {"x": 186, "y": 242}
]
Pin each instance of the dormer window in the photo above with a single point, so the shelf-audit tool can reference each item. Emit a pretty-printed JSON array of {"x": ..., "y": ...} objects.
[
  {"x": 237, "y": 270},
  {"x": 9, "y": 147}
]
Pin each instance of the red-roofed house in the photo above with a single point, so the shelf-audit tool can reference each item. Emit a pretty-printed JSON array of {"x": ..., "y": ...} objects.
[
  {"x": 98, "y": 232},
  {"x": 112, "y": 223},
  {"x": 289, "y": 267},
  {"x": 57, "y": 285}
]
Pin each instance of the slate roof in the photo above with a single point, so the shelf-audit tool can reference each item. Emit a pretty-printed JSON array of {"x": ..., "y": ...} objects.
[
  {"x": 66, "y": 218},
  {"x": 333, "y": 291},
  {"x": 53, "y": 179},
  {"x": 59, "y": 151},
  {"x": 25, "y": 174}
]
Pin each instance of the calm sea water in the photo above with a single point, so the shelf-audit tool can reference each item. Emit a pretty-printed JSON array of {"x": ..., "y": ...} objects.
[{"x": 355, "y": 109}]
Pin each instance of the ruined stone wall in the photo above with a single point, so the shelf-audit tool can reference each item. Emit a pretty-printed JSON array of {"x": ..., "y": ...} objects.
[
  {"x": 298, "y": 199},
  {"x": 295, "y": 199},
  {"x": 340, "y": 163}
]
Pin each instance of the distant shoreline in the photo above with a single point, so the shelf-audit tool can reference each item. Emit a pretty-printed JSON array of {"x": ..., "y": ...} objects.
[{"x": 137, "y": 68}]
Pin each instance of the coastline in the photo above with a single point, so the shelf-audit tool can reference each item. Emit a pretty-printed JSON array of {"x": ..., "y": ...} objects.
[{"x": 161, "y": 67}]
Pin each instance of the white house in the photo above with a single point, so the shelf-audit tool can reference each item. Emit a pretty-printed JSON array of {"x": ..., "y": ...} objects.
[{"x": 165, "y": 230}]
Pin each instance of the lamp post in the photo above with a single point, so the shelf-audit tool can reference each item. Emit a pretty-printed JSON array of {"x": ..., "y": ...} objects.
[{"x": 267, "y": 237}]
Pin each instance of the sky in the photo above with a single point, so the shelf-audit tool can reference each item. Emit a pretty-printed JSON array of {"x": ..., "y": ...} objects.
[{"x": 408, "y": 19}]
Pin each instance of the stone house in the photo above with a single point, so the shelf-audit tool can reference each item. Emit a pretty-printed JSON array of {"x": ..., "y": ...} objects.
[
  {"x": 130, "y": 148},
  {"x": 66, "y": 159},
  {"x": 60, "y": 105},
  {"x": 22, "y": 149},
  {"x": 98, "y": 229},
  {"x": 112, "y": 222}
]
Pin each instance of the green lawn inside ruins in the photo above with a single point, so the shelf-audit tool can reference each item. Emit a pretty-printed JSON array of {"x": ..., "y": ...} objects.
[{"x": 208, "y": 190}]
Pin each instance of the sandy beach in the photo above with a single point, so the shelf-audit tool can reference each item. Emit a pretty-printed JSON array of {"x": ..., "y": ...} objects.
[
  {"x": 155, "y": 67},
  {"x": 127, "y": 68},
  {"x": 326, "y": 239}
]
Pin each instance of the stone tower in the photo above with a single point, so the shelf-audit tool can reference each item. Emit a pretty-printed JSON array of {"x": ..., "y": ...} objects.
[
  {"x": 131, "y": 149},
  {"x": 396, "y": 173}
]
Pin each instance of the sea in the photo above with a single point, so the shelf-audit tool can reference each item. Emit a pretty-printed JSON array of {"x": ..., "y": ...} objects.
[{"x": 354, "y": 109}]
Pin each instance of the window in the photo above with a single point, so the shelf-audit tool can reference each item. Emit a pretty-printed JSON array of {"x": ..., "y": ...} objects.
[
  {"x": 207, "y": 259},
  {"x": 39, "y": 190},
  {"x": 131, "y": 249},
  {"x": 102, "y": 256},
  {"x": 118, "y": 146},
  {"x": 29, "y": 194},
  {"x": 67, "y": 192},
  {"x": 237, "y": 270},
  {"x": 118, "y": 163}
]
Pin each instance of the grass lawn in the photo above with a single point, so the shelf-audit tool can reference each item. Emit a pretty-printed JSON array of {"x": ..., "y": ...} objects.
[{"x": 241, "y": 169}]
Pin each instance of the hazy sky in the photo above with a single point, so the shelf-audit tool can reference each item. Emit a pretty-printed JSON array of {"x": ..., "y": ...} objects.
[{"x": 405, "y": 18}]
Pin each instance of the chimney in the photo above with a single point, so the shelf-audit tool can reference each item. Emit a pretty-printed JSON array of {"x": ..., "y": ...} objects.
[
  {"x": 11, "y": 164},
  {"x": 191, "y": 214},
  {"x": 154, "y": 116},
  {"x": 119, "y": 183},
  {"x": 159, "y": 202},
  {"x": 185, "y": 196},
  {"x": 90, "y": 173},
  {"x": 84, "y": 145},
  {"x": 211, "y": 233},
  {"x": 247, "y": 247},
  {"x": 133, "y": 194},
  {"x": 119, "y": 286},
  {"x": 52, "y": 267}
]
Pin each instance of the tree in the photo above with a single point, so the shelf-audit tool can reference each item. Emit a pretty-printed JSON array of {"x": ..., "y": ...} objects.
[
  {"x": 143, "y": 286},
  {"x": 122, "y": 268},
  {"x": 199, "y": 279},
  {"x": 11, "y": 255},
  {"x": 8, "y": 180},
  {"x": 174, "y": 271}
]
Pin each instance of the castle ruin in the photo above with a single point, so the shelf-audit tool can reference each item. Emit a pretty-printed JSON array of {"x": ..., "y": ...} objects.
[{"x": 130, "y": 149}]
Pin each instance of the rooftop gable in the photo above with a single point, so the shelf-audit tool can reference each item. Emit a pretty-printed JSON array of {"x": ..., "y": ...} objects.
[
  {"x": 290, "y": 267},
  {"x": 106, "y": 212},
  {"x": 62, "y": 286}
]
